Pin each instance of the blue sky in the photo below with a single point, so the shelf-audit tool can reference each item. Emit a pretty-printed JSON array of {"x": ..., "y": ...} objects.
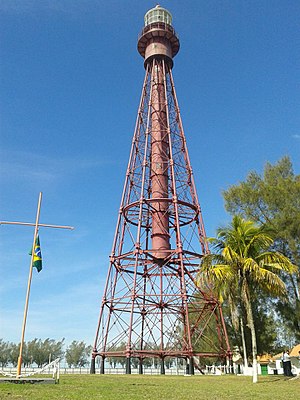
[{"x": 71, "y": 79}]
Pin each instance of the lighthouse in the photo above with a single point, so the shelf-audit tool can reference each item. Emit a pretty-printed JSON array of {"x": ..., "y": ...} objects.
[{"x": 152, "y": 307}]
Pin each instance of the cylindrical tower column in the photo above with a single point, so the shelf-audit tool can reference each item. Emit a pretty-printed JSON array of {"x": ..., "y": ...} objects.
[
  {"x": 158, "y": 44},
  {"x": 159, "y": 166}
]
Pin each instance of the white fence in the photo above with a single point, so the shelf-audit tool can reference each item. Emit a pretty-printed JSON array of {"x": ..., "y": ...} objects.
[
  {"x": 209, "y": 370},
  {"x": 86, "y": 371}
]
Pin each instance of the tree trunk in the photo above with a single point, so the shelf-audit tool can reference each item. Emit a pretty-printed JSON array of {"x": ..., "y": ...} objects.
[
  {"x": 244, "y": 344},
  {"x": 248, "y": 306}
]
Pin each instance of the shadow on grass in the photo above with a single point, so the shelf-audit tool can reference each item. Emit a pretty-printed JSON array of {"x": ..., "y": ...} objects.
[{"x": 271, "y": 379}]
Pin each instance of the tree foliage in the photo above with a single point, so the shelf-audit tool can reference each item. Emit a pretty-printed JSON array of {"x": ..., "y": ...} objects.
[
  {"x": 273, "y": 199},
  {"x": 37, "y": 352},
  {"x": 4, "y": 353},
  {"x": 268, "y": 330},
  {"x": 77, "y": 354},
  {"x": 242, "y": 262},
  {"x": 43, "y": 351}
]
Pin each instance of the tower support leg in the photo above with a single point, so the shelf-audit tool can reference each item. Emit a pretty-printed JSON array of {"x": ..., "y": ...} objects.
[
  {"x": 187, "y": 366},
  {"x": 93, "y": 365},
  {"x": 128, "y": 365},
  {"x": 191, "y": 366},
  {"x": 141, "y": 366},
  {"x": 231, "y": 366},
  {"x": 162, "y": 366},
  {"x": 102, "y": 369}
]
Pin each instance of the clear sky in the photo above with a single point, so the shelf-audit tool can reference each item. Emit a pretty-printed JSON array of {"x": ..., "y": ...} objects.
[{"x": 71, "y": 79}]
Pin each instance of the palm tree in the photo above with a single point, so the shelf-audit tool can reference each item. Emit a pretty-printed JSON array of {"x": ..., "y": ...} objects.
[{"x": 241, "y": 262}]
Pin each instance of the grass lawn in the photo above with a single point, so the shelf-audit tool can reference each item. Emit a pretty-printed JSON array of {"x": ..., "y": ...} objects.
[{"x": 125, "y": 387}]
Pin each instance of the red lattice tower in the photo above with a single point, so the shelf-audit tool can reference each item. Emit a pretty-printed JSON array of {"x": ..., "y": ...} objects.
[{"x": 151, "y": 305}]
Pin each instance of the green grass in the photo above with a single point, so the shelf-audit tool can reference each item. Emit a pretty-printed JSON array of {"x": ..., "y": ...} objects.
[{"x": 125, "y": 387}]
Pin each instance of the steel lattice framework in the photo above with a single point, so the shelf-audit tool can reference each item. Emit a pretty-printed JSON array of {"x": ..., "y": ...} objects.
[{"x": 151, "y": 305}]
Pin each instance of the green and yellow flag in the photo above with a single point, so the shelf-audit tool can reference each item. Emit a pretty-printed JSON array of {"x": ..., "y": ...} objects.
[{"x": 37, "y": 257}]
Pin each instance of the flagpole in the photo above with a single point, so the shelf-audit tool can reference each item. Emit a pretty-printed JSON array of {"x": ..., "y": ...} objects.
[{"x": 28, "y": 285}]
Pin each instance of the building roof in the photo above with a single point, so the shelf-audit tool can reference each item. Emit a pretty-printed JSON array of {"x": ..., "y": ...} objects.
[
  {"x": 293, "y": 353},
  {"x": 295, "y": 350}
]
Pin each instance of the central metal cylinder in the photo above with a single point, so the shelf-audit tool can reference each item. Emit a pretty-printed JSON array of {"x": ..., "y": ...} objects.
[
  {"x": 158, "y": 47},
  {"x": 159, "y": 164}
]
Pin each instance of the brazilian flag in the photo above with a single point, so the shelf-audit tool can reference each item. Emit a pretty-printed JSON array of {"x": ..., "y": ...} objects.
[{"x": 37, "y": 257}]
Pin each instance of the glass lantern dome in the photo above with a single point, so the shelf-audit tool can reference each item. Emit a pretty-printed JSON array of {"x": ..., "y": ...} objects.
[{"x": 158, "y": 14}]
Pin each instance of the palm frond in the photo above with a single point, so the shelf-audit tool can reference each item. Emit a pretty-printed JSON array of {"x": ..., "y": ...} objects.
[
  {"x": 267, "y": 280},
  {"x": 209, "y": 260},
  {"x": 230, "y": 255},
  {"x": 257, "y": 243},
  {"x": 217, "y": 272},
  {"x": 277, "y": 261},
  {"x": 250, "y": 265},
  {"x": 216, "y": 243}
]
